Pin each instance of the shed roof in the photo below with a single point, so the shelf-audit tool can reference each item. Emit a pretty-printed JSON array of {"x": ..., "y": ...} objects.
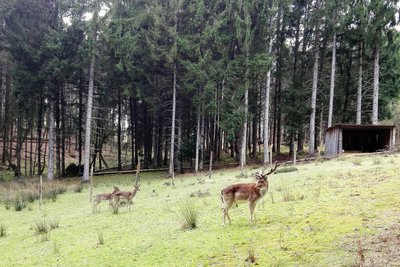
[{"x": 360, "y": 126}]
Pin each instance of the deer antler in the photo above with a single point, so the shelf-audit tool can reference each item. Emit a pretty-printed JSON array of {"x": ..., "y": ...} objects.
[{"x": 272, "y": 170}]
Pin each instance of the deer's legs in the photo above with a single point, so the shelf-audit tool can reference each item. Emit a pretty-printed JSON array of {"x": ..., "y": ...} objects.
[
  {"x": 228, "y": 205},
  {"x": 252, "y": 206}
]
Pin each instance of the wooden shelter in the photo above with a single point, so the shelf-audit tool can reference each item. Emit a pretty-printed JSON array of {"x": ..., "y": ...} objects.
[{"x": 342, "y": 138}]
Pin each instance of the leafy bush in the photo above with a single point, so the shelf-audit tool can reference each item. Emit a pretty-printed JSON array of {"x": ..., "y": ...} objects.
[
  {"x": 189, "y": 214},
  {"x": 286, "y": 169}
]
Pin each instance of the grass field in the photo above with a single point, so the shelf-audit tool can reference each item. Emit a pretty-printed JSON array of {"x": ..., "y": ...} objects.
[{"x": 341, "y": 212}]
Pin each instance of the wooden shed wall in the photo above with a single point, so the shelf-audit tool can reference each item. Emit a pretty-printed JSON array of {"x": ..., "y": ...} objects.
[{"x": 333, "y": 142}]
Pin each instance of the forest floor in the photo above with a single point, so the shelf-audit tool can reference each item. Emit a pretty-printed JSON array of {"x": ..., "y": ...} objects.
[{"x": 341, "y": 212}]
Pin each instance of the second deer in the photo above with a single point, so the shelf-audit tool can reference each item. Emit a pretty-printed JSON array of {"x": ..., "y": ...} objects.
[
  {"x": 127, "y": 195},
  {"x": 104, "y": 197},
  {"x": 239, "y": 193}
]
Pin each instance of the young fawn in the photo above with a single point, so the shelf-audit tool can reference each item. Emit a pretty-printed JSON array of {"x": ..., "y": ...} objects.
[
  {"x": 104, "y": 197},
  {"x": 239, "y": 193},
  {"x": 127, "y": 195}
]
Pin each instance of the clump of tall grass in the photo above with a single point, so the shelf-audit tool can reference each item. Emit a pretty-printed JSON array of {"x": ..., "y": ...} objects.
[
  {"x": 376, "y": 161},
  {"x": 43, "y": 228},
  {"x": 114, "y": 205},
  {"x": 77, "y": 188},
  {"x": 188, "y": 214},
  {"x": 19, "y": 194},
  {"x": 53, "y": 223},
  {"x": 288, "y": 196},
  {"x": 19, "y": 203}
]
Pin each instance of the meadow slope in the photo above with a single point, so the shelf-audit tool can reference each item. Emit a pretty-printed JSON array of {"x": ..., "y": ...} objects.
[{"x": 327, "y": 213}]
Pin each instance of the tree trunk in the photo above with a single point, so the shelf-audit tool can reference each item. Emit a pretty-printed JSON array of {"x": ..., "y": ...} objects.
[
  {"x": 80, "y": 118},
  {"x": 50, "y": 175},
  {"x": 132, "y": 124},
  {"x": 88, "y": 121},
  {"x": 63, "y": 134},
  {"x": 332, "y": 87},
  {"x": 56, "y": 111},
  {"x": 359, "y": 87},
  {"x": 198, "y": 137},
  {"x": 119, "y": 130},
  {"x": 375, "y": 97},
  {"x": 172, "y": 142},
  {"x": 311, "y": 144},
  {"x": 266, "y": 109},
  {"x": 39, "y": 135},
  {"x": 202, "y": 126},
  {"x": 5, "y": 129},
  {"x": 244, "y": 135}
]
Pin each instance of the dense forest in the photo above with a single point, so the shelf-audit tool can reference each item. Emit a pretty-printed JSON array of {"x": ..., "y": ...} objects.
[{"x": 176, "y": 82}]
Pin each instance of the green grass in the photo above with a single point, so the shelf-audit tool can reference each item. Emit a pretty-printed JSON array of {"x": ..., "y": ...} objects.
[{"x": 332, "y": 204}]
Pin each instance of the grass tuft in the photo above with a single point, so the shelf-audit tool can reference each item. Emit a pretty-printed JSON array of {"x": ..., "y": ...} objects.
[
  {"x": 3, "y": 230},
  {"x": 100, "y": 237},
  {"x": 189, "y": 214},
  {"x": 114, "y": 205},
  {"x": 40, "y": 227},
  {"x": 356, "y": 161},
  {"x": 19, "y": 203},
  {"x": 53, "y": 223}
]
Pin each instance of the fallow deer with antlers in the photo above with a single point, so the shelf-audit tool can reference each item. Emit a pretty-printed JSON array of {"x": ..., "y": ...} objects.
[
  {"x": 249, "y": 192},
  {"x": 127, "y": 195},
  {"x": 104, "y": 197}
]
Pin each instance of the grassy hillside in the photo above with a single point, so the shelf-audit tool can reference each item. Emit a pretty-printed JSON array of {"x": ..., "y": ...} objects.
[{"x": 338, "y": 212}]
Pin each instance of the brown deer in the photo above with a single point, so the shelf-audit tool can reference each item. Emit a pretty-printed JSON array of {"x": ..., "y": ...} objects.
[
  {"x": 251, "y": 192},
  {"x": 104, "y": 197},
  {"x": 127, "y": 195}
]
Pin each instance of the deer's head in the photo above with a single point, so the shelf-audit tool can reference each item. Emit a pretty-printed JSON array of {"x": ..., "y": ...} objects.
[
  {"x": 262, "y": 178},
  {"x": 116, "y": 189}
]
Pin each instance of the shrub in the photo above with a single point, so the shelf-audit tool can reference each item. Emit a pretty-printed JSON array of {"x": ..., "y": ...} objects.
[
  {"x": 286, "y": 169},
  {"x": 188, "y": 214}
]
